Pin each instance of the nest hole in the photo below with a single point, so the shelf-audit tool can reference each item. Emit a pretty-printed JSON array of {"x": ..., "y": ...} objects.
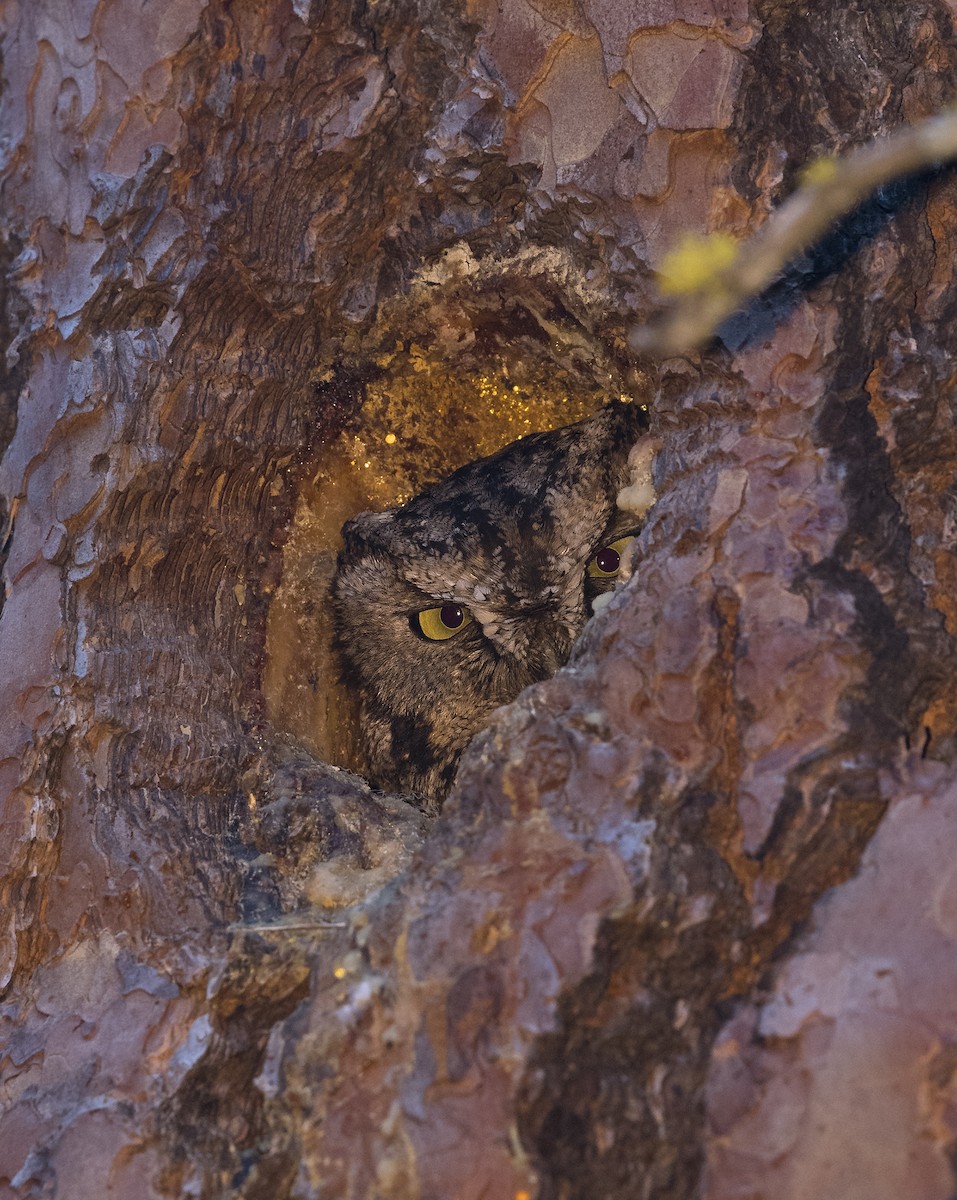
[{"x": 450, "y": 373}]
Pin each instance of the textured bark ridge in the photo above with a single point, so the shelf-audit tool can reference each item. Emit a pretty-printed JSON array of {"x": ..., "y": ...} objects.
[{"x": 686, "y": 926}]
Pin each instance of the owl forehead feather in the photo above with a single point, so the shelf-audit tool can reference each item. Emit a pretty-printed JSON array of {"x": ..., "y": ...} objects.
[
  {"x": 533, "y": 483},
  {"x": 463, "y": 532},
  {"x": 519, "y": 521}
]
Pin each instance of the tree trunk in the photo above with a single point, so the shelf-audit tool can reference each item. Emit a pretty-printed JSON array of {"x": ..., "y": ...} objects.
[{"x": 687, "y": 924}]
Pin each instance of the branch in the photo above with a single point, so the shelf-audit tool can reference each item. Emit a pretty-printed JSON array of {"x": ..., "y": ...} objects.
[{"x": 716, "y": 276}]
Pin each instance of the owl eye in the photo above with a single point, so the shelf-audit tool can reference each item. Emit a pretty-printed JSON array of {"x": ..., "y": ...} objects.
[
  {"x": 439, "y": 624},
  {"x": 607, "y": 562}
]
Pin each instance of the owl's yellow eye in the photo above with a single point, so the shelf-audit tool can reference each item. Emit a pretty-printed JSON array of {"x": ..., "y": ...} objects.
[
  {"x": 607, "y": 562},
  {"x": 439, "y": 624}
]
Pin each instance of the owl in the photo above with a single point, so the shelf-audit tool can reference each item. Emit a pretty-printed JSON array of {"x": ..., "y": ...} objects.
[{"x": 447, "y": 607}]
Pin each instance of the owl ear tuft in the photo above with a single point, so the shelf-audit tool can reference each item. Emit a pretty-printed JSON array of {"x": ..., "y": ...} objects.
[{"x": 366, "y": 531}]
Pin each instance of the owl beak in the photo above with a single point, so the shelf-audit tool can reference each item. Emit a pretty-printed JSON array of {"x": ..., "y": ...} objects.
[
  {"x": 549, "y": 646},
  {"x": 534, "y": 641}
]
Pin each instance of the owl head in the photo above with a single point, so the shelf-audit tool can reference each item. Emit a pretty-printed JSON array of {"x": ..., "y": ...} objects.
[{"x": 447, "y": 607}]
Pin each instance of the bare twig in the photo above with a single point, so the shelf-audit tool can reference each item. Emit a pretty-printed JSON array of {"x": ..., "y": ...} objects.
[{"x": 832, "y": 188}]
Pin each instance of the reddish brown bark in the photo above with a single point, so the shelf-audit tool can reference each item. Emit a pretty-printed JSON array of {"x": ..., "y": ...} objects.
[{"x": 685, "y": 926}]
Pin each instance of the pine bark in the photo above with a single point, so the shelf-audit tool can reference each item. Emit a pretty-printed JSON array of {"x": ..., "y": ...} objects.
[{"x": 687, "y": 925}]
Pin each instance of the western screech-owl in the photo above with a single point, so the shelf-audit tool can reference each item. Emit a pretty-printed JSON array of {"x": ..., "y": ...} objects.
[{"x": 447, "y": 607}]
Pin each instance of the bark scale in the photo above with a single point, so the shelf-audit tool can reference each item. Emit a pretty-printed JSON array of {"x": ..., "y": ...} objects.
[{"x": 686, "y": 926}]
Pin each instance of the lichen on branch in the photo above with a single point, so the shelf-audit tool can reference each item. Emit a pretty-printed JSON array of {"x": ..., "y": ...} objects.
[{"x": 711, "y": 277}]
